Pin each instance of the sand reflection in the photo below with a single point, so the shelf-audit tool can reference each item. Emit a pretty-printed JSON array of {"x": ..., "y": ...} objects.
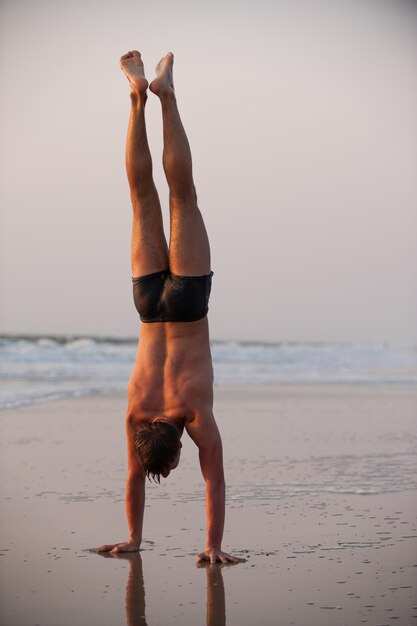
[
  {"x": 135, "y": 591},
  {"x": 135, "y": 588},
  {"x": 216, "y": 603}
]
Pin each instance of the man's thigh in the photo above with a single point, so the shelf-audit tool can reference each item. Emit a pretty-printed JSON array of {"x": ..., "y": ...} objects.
[
  {"x": 189, "y": 249},
  {"x": 149, "y": 250}
]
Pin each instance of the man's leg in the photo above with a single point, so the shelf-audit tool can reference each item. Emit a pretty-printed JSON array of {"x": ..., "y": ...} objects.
[
  {"x": 149, "y": 252},
  {"x": 189, "y": 252}
]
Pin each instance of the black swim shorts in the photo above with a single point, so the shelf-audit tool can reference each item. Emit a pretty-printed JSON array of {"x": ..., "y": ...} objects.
[{"x": 165, "y": 297}]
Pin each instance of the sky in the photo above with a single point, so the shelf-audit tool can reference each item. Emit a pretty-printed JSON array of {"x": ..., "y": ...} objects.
[{"x": 301, "y": 120}]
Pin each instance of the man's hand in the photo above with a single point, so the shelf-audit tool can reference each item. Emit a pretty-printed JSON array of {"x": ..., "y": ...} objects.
[
  {"x": 214, "y": 555},
  {"x": 125, "y": 546}
]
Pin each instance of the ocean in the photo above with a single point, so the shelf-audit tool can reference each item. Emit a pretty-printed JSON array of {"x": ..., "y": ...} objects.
[{"x": 42, "y": 369}]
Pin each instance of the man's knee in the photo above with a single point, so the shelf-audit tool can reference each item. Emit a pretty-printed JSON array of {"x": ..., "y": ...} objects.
[
  {"x": 146, "y": 203},
  {"x": 183, "y": 198}
]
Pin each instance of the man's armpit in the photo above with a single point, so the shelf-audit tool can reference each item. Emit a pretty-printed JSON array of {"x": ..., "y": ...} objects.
[{"x": 203, "y": 430}]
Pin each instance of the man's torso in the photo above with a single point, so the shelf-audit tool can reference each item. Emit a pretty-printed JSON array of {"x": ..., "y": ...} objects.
[{"x": 173, "y": 374}]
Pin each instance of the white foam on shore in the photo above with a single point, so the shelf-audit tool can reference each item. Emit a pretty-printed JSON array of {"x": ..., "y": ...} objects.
[{"x": 42, "y": 369}]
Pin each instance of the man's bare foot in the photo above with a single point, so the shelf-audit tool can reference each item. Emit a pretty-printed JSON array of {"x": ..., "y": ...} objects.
[
  {"x": 164, "y": 82},
  {"x": 132, "y": 65}
]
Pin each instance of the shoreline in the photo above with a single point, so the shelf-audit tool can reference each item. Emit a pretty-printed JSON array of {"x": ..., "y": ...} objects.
[{"x": 317, "y": 388}]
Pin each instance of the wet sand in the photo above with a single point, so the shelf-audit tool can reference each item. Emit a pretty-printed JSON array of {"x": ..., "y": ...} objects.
[{"x": 322, "y": 487}]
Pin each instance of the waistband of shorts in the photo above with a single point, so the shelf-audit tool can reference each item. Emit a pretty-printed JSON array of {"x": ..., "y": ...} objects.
[{"x": 166, "y": 273}]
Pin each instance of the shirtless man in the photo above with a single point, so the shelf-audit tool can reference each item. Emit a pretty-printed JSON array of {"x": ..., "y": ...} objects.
[{"x": 171, "y": 387}]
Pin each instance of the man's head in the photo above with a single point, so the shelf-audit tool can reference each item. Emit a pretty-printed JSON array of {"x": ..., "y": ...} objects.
[{"x": 158, "y": 448}]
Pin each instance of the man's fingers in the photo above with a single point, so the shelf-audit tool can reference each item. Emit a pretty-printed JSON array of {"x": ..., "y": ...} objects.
[
  {"x": 231, "y": 559},
  {"x": 115, "y": 548},
  {"x": 125, "y": 547},
  {"x": 207, "y": 556},
  {"x": 213, "y": 556},
  {"x": 235, "y": 559},
  {"x": 106, "y": 548},
  {"x": 228, "y": 558}
]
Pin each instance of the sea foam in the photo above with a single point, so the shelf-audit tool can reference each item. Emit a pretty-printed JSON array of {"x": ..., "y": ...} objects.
[{"x": 40, "y": 369}]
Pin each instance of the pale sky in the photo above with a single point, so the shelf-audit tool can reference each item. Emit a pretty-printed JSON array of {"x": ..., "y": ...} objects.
[{"x": 302, "y": 121}]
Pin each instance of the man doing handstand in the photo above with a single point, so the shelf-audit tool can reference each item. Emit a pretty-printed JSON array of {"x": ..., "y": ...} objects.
[{"x": 171, "y": 387}]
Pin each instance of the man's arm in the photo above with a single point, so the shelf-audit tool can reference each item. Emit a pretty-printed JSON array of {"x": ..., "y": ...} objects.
[
  {"x": 211, "y": 463},
  {"x": 135, "y": 497},
  {"x": 204, "y": 432},
  {"x": 135, "y": 505}
]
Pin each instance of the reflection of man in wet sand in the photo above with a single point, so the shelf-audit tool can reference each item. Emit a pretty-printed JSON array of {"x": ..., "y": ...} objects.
[
  {"x": 171, "y": 387},
  {"x": 135, "y": 591}
]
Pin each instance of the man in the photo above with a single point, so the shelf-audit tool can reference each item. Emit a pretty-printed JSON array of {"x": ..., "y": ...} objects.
[{"x": 171, "y": 387}]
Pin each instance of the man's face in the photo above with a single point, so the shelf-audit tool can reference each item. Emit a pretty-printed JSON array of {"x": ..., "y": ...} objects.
[{"x": 174, "y": 463}]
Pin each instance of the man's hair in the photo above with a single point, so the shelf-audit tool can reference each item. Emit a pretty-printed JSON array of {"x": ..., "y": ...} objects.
[{"x": 156, "y": 446}]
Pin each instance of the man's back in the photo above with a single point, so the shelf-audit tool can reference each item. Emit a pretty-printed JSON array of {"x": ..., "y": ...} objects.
[{"x": 173, "y": 374}]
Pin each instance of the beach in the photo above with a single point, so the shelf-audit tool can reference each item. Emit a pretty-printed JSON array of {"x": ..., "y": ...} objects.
[{"x": 321, "y": 504}]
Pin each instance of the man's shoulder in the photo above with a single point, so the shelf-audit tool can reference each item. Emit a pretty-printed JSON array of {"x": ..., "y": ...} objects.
[
  {"x": 201, "y": 415},
  {"x": 141, "y": 408},
  {"x": 136, "y": 419},
  {"x": 143, "y": 398},
  {"x": 202, "y": 428}
]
